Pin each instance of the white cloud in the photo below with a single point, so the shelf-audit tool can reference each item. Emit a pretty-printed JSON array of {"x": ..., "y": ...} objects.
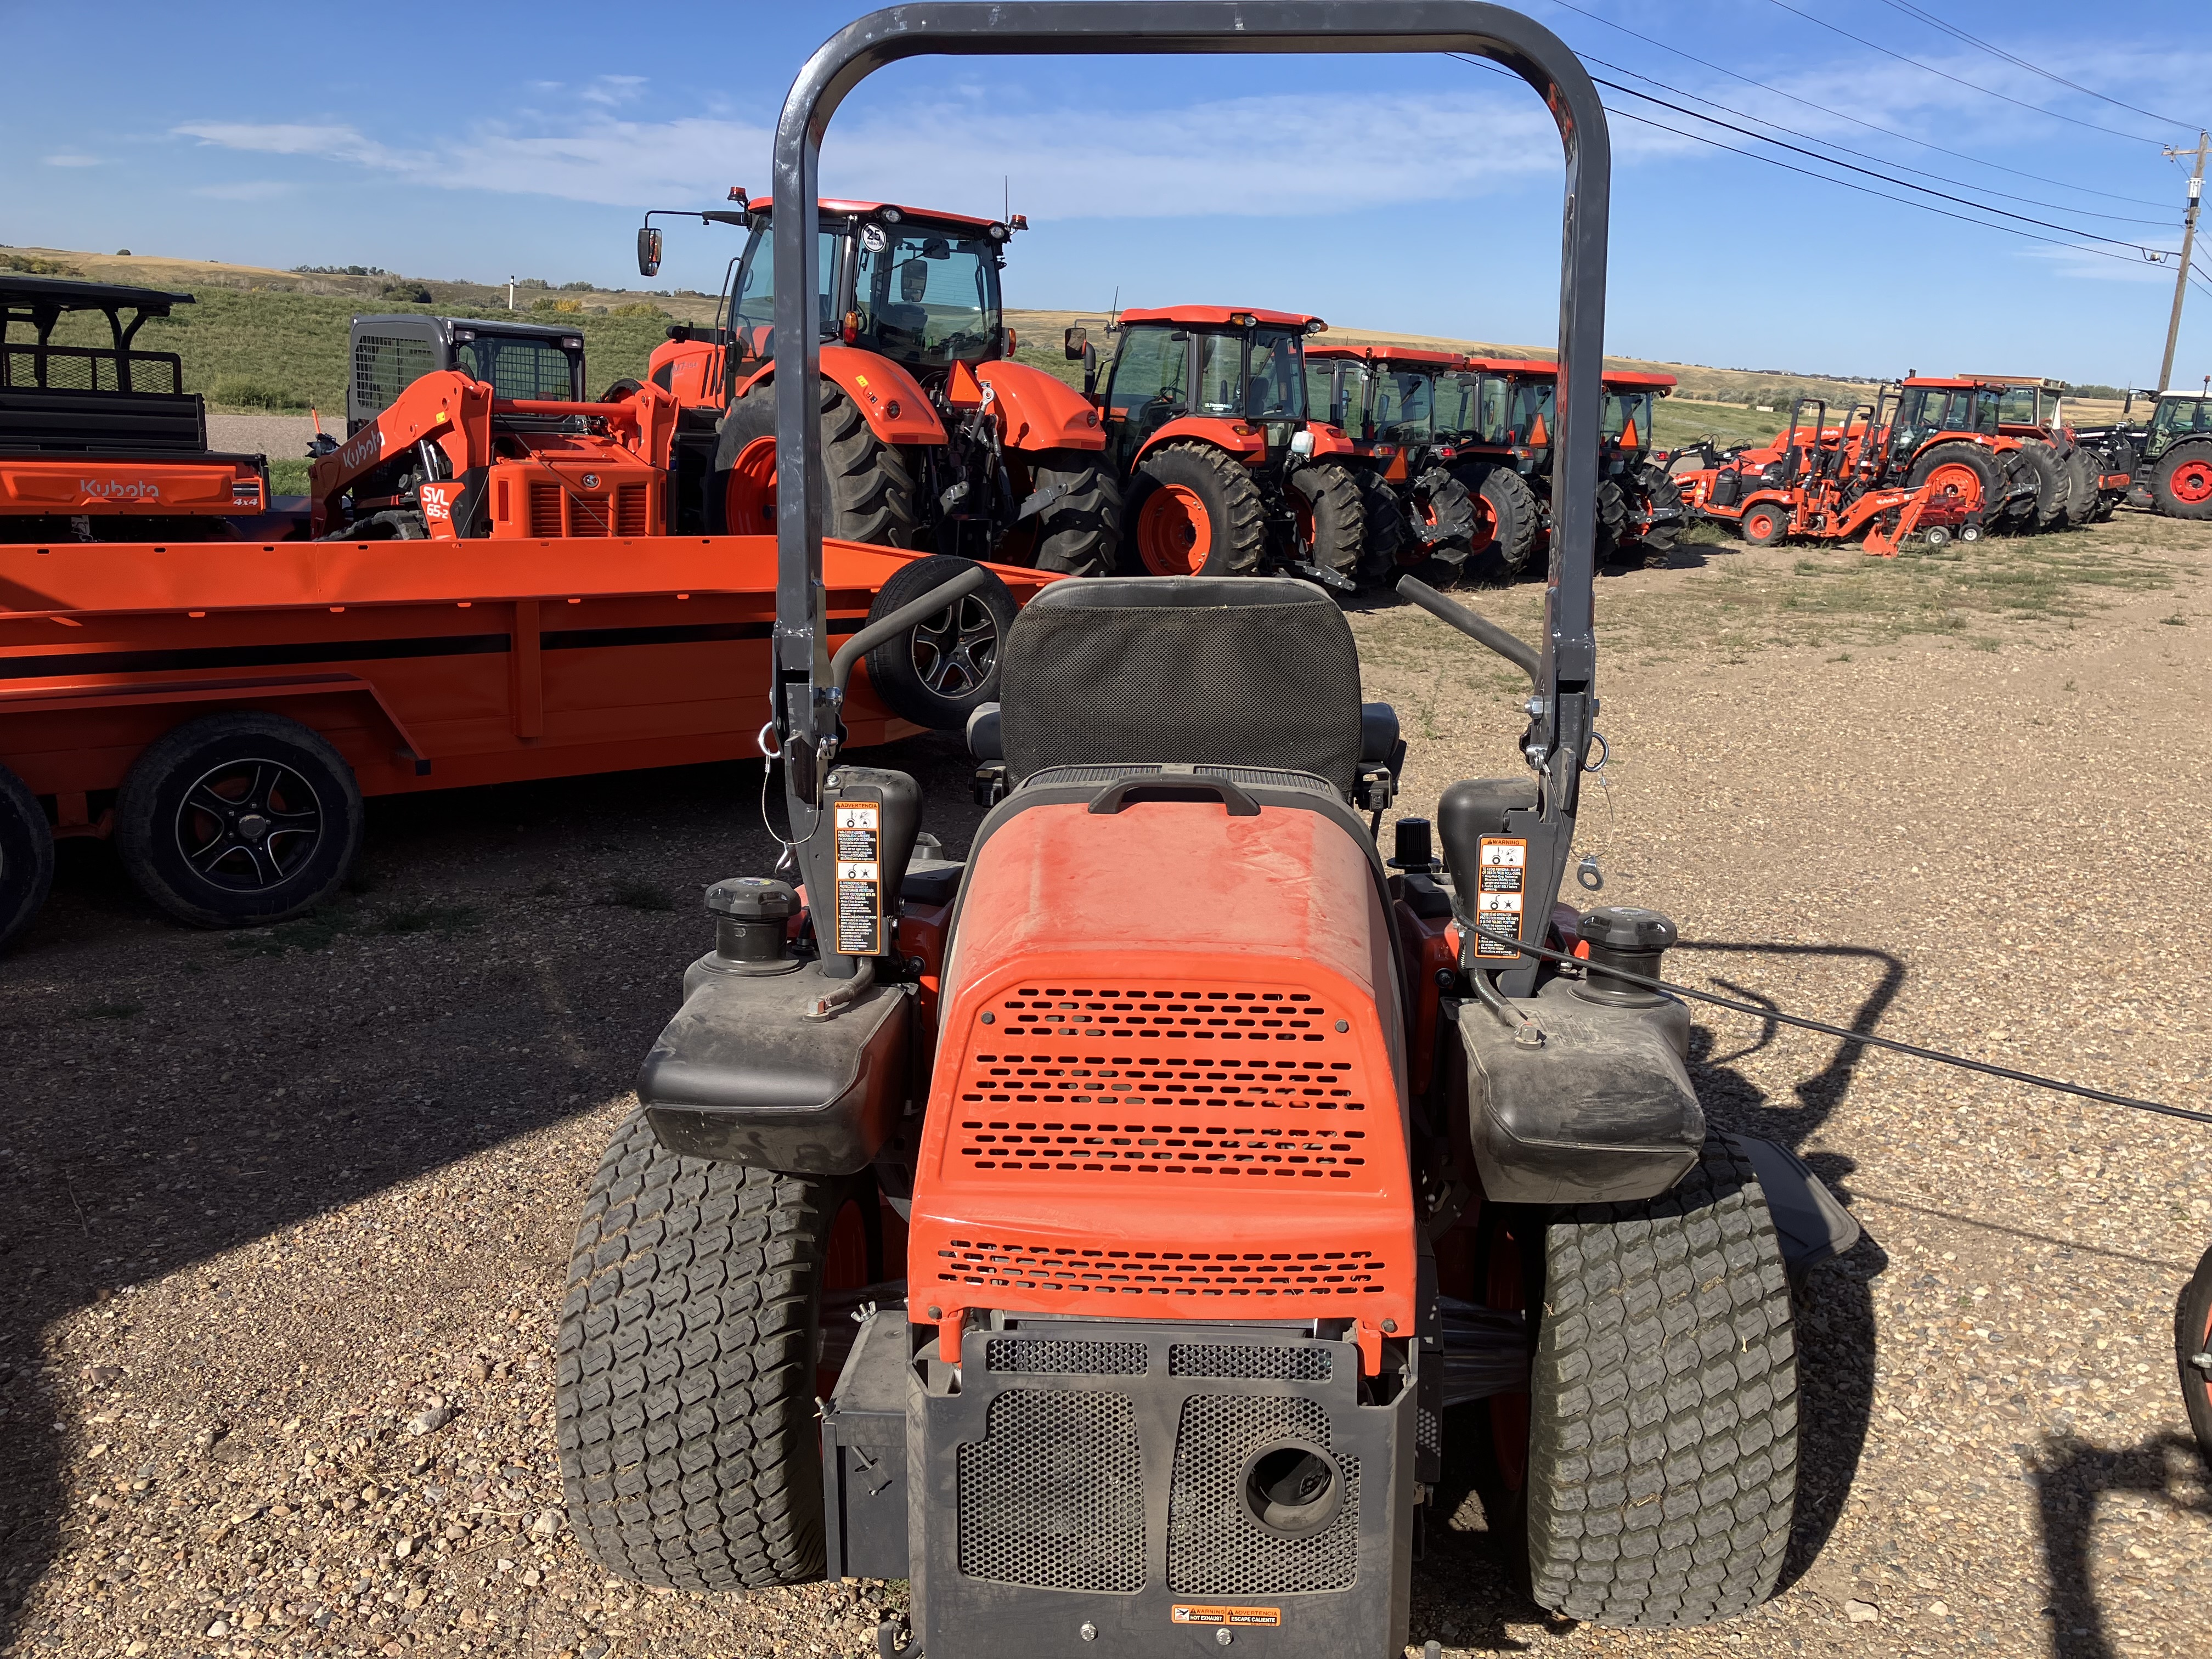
[
  {"x": 70, "y": 161},
  {"x": 246, "y": 189},
  {"x": 336, "y": 143}
]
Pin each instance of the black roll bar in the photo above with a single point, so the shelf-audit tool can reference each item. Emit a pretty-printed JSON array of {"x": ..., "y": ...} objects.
[{"x": 806, "y": 701}]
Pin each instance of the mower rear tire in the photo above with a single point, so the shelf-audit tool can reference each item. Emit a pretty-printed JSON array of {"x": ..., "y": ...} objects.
[
  {"x": 1515, "y": 516},
  {"x": 1659, "y": 1462},
  {"x": 1079, "y": 534},
  {"x": 1192, "y": 510},
  {"x": 1763, "y": 523},
  {"x": 1381, "y": 561},
  {"x": 871, "y": 491},
  {"x": 1332, "y": 514},
  {"x": 2043, "y": 464},
  {"x": 27, "y": 856},
  {"x": 2081, "y": 467},
  {"x": 1967, "y": 468},
  {"x": 2192, "y": 1337},
  {"x": 2181, "y": 482},
  {"x": 684, "y": 1371},
  {"x": 941, "y": 671}
]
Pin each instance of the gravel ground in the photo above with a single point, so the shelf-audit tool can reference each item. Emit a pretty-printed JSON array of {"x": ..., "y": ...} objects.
[
  {"x": 286, "y": 1216},
  {"x": 280, "y": 437}
]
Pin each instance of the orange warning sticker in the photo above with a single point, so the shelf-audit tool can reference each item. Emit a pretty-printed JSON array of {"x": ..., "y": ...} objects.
[
  {"x": 1501, "y": 892},
  {"x": 1185, "y": 1613},
  {"x": 860, "y": 878}
]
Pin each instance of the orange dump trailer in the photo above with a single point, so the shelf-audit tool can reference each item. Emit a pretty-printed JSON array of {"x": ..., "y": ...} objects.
[{"x": 220, "y": 709}]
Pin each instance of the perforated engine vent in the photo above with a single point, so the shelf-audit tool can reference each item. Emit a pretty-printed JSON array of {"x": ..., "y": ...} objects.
[
  {"x": 1061, "y": 1357},
  {"x": 1053, "y": 1496},
  {"x": 1157, "y": 1272},
  {"x": 1247, "y": 1359},
  {"x": 1216, "y": 1547}
]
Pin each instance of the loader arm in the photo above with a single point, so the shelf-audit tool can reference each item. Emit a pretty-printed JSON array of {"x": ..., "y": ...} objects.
[{"x": 446, "y": 409}]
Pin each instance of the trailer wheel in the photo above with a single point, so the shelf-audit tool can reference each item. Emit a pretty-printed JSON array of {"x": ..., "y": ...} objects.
[
  {"x": 27, "y": 856},
  {"x": 2181, "y": 482},
  {"x": 1386, "y": 530},
  {"x": 1192, "y": 510},
  {"x": 1513, "y": 515},
  {"x": 2192, "y": 1339},
  {"x": 1331, "y": 513},
  {"x": 1648, "y": 1475},
  {"x": 684, "y": 1377},
  {"x": 941, "y": 672},
  {"x": 1763, "y": 523},
  {"x": 238, "y": 820},
  {"x": 1080, "y": 533},
  {"x": 871, "y": 492}
]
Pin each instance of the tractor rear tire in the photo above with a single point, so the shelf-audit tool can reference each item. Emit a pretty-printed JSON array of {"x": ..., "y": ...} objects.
[
  {"x": 684, "y": 1373},
  {"x": 1381, "y": 561},
  {"x": 1657, "y": 1448},
  {"x": 1078, "y": 534},
  {"x": 1664, "y": 498},
  {"x": 1192, "y": 510},
  {"x": 1763, "y": 523},
  {"x": 1515, "y": 516},
  {"x": 871, "y": 491},
  {"x": 27, "y": 856},
  {"x": 2181, "y": 482},
  {"x": 2081, "y": 468},
  {"x": 2192, "y": 1335},
  {"x": 942, "y": 670},
  {"x": 1969, "y": 467},
  {"x": 1334, "y": 513},
  {"x": 2045, "y": 466}
]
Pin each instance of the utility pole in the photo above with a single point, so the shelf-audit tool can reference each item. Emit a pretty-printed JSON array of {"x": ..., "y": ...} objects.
[{"x": 2188, "y": 248}]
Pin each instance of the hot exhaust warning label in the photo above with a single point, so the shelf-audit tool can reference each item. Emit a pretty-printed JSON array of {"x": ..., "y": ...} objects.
[
  {"x": 1501, "y": 892},
  {"x": 860, "y": 825},
  {"x": 1185, "y": 1613}
]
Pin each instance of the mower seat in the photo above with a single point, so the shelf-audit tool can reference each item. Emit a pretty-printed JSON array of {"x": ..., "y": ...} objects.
[{"x": 1242, "y": 671}]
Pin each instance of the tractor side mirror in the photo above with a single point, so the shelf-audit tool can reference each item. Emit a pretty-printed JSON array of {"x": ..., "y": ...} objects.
[
  {"x": 648, "y": 251},
  {"x": 913, "y": 282},
  {"x": 1074, "y": 342}
]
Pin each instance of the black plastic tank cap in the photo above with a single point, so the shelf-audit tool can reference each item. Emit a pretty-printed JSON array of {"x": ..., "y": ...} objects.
[
  {"x": 1628, "y": 937},
  {"x": 1413, "y": 848},
  {"x": 749, "y": 912}
]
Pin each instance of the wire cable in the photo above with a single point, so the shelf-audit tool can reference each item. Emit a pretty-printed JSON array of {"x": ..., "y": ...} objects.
[
  {"x": 1821, "y": 22},
  {"x": 1825, "y": 1029},
  {"x": 1975, "y": 40},
  {"x": 1887, "y": 132}
]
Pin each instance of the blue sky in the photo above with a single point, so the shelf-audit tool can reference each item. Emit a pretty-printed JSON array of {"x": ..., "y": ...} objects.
[{"x": 1384, "y": 192}]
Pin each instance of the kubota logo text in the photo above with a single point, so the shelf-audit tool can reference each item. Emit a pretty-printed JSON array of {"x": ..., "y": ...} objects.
[{"x": 114, "y": 489}]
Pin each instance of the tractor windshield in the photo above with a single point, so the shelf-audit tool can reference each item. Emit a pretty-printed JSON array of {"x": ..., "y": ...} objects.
[
  {"x": 1628, "y": 418},
  {"x": 1405, "y": 406},
  {"x": 1258, "y": 375},
  {"x": 1923, "y": 411},
  {"x": 1336, "y": 391},
  {"x": 2176, "y": 416},
  {"x": 752, "y": 301},
  {"x": 1460, "y": 402},
  {"x": 926, "y": 296},
  {"x": 1528, "y": 416}
]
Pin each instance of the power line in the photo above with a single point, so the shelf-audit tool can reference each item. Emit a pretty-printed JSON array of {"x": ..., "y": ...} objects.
[
  {"x": 1958, "y": 34},
  {"x": 1871, "y": 127},
  {"x": 1863, "y": 156},
  {"x": 1971, "y": 85}
]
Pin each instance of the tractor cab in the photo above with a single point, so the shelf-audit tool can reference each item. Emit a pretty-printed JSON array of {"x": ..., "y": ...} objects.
[
  {"x": 1404, "y": 410},
  {"x": 1241, "y": 371},
  {"x": 525, "y": 361}
]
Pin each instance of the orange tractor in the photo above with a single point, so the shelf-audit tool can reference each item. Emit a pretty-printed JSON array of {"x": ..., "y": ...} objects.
[
  {"x": 1226, "y": 475},
  {"x": 103, "y": 443},
  {"x": 934, "y": 438},
  {"x": 1405, "y": 412},
  {"x": 2078, "y": 480}
]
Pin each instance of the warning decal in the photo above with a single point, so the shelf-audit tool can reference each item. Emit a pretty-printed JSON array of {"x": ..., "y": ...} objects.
[
  {"x": 860, "y": 878},
  {"x": 1185, "y": 1613},
  {"x": 1501, "y": 890}
]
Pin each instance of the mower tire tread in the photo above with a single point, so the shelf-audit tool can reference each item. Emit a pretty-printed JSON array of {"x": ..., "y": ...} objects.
[
  {"x": 684, "y": 1371},
  {"x": 1332, "y": 495},
  {"x": 2192, "y": 1335},
  {"x": 1079, "y": 534},
  {"x": 1663, "y": 1450}
]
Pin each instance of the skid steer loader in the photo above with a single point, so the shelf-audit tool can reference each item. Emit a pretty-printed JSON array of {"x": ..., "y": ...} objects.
[{"x": 1147, "y": 1196}]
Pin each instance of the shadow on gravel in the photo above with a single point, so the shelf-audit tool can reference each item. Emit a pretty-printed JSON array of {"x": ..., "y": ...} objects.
[
  {"x": 1833, "y": 1306},
  {"x": 2074, "y": 1476},
  {"x": 172, "y": 1095}
]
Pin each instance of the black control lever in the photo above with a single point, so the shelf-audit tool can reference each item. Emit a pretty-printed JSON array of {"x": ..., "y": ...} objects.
[{"x": 1480, "y": 629}]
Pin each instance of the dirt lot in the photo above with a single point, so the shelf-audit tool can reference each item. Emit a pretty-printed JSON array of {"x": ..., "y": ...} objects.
[{"x": 284, "y": 1218}]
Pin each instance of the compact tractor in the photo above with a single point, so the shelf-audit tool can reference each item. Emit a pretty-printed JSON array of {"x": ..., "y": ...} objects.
[
  {"x": 1224, "y": 474},
  {"x": 934, "y": 438},
  {"x": 102, "y": 442},
  {"x": 1403, "y": 409},
  {"x": 1110, "y": 1231},
  {"x": 2172, "y": 471}
]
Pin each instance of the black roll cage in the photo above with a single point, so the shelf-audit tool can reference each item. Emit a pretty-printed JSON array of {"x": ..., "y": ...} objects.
[{"x": 806, "y": 696}]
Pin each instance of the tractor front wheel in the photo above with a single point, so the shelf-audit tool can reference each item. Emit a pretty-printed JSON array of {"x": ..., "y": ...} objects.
[
  {"x": 1965, "y": 471},
  {"x": 1648, "y": 1477},
  {"x": 1445, "y": 521},
  {"x": 2181, "y": 482},
  {"x": 871, "y": 492},
  {"x": 1507, "y": 517},
  {"x": 685, "y": 1369},
  {"x": 1192, "y": 510},
  {"x": 1764, "y": 523},
  {"x": 1331, "y": 515}
]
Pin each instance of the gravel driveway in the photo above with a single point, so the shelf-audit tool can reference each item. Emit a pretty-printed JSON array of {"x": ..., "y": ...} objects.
[{"x": 286, "y": 1216}]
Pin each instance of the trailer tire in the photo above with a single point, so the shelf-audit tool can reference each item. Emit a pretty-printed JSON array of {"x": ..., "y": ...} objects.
[
  {"x": 2044, "y": 465},
  {"x": 684, "y": 1378},
  {"x": 27, "y": 856},
  {"x": 1514, "y": 513},
  {"x": 1192, "y": 510},
  {"x": 941, "y": 672},
  {"x": 2181, "y": 482},
  {"x": 238, "y": 820},
  {"x": 2192, "y": 1335},
  {"x": 1658, "y": 1443},
  {"x": 1331, "y": 515},
  {"x": 1386, "y": 530},
  {"x": 1967, "y": 468},
  {"x": 1763, "y": 523},
  {"x": 1079, "y": 534},
  {"x": 871, "y": 492}
]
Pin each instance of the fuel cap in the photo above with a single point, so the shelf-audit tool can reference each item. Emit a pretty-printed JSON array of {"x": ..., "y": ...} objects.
[
  {"x": 753, "y": 898},
  {"x": 1629, "y": 927}
]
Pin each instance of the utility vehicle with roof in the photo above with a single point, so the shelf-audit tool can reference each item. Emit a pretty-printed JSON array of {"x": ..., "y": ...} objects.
[{"x": 935, "y": 439}]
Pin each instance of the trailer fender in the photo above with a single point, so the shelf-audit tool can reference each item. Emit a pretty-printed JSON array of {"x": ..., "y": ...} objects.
[
  {"x": 891, "y": 400},
  {"x": 1039, "y": 411},
  {"x": 1240, "y": 438}
]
